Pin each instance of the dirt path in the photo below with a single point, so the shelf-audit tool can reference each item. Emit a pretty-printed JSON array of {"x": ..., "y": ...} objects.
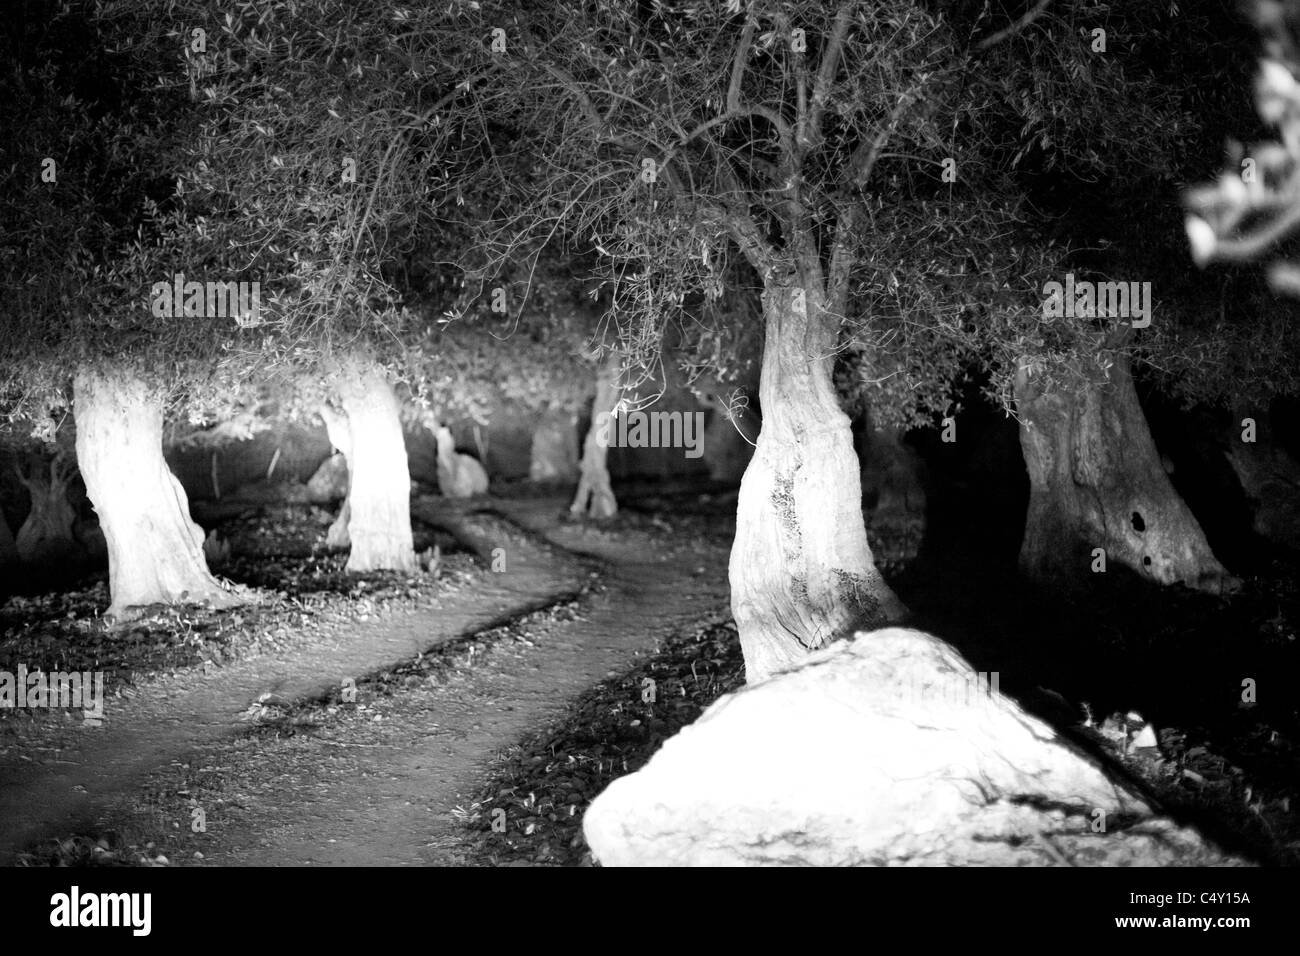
[
  {"x": 170, "y": 716},
  {"x": 378, "y": 784}
]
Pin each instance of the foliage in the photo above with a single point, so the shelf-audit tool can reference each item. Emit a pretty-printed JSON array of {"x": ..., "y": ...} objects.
[
  {"x": 97, "y": 143},
  {"x": 684, "y": 145},
  {"x": 1252, "y": 207}
]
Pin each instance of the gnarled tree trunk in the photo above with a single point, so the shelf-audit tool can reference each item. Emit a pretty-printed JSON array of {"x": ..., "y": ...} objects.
[
  {"x": 1096, "y": 481},
  {"x": 554, "y": 452},
  {"x": 595, "y": 497},
  {"x": 1269, "y": 476},
  {"x": 46, "y": 536},
  {"x": 364, "y": 424},
  {"x": 155, "y": 551},
  {"x": 801, "y": 570}
]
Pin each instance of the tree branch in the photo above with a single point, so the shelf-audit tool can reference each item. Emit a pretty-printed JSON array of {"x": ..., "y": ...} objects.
[
  {"x": 738, "y": 64},
  {"x": 864, "y": 158},
  {"x": 1246, "y": 248},
  {"x": 826, "y": 71},
  {"x": 740, "y": 225},
  {"x": 1015, "y": 27},
  {"x": 842, "y": 259}
]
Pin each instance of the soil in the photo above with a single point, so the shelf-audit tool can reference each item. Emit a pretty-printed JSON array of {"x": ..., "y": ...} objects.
[{"x": 285, "y": 771}]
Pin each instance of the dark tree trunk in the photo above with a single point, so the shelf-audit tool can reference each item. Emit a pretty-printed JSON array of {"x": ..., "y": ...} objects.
[
  {"x": 8, "y": 550},
  {"x": 375, "y": 521},
  {"x": 46, "y": 537},
  {"x": 554, "y": 454},
  {"x": 1269, "y": 476},
  {"x": 893, "y": 482},
  {"x": 595, "y": 497},
  {"x": 155, "y": 551},
  {"x": 1096, "y": 481},
  {"x": 801, "y": 571}
]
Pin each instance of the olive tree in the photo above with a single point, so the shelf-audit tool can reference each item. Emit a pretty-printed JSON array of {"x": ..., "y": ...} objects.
[{"x": 676, "y": 139}]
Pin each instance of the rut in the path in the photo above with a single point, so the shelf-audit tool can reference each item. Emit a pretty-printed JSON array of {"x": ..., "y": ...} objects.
[
  {"x": 70, "y": 792},
  {"x": 328, "y": 799}
]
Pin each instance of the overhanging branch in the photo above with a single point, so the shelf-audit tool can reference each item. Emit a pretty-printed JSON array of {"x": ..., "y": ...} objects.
[{"x": 1028, "y": 17}]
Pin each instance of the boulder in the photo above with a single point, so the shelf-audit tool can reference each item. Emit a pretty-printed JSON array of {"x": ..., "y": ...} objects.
[
  {"x": 330, "y": 483},
  {"x": 885, "y": 749},
  {"x": 459, "y": 475}
]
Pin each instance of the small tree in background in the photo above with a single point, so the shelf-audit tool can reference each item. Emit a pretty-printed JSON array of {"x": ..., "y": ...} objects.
[
  {"x": 97, "y": 155},
  {"x": 1105, "y": 124}
]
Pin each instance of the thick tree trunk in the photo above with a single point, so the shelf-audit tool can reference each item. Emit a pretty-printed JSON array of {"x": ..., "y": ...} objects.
[
  {"x": 46, "y": 537},
  {"x": 375, "y": 521},
  {"x": 801, "y": 570},
  {"x": 1096, "y": 481},
  {"x": 155, "y": 551},
  {"x": 893, "y": 479},
  {"x": 595, "y": 497},
  {"x": 1269, "y": 476},
  {"x": 554, "y": 454}
]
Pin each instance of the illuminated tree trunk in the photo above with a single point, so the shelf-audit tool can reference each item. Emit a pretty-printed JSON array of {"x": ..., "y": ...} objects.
[
  {"x": 363, "y": 424},
  {"x": 46, "y": 536},
  {"x": 554, "y": 453},
  {"x": 155, "y": 551},
  {"x": 1096, "y": 482},
  {"x": 1269, "y": 476},
  {"x": 459, "y": 475},
  {"x": 802, "y": 573},
  {"x": 595, "y": 497}
]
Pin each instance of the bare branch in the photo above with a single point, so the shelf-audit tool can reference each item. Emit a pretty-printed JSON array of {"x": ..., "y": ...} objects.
[
  {"x": 868, "y": 152},
  {"x": 1029, "y": 16},
  {"x": 738, "y": 65}
]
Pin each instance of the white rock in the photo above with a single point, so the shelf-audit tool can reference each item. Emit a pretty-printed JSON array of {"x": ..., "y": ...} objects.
[{"x": 882, "y": 750}]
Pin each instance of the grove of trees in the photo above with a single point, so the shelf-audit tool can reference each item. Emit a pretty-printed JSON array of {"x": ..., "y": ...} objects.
[{"x": 445, "y": 205}]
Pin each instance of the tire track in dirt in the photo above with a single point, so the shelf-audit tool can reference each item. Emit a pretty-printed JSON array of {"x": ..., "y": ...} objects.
[
  {"x": 382, "y": 790},
  {"x": 171, "y": 716}
]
